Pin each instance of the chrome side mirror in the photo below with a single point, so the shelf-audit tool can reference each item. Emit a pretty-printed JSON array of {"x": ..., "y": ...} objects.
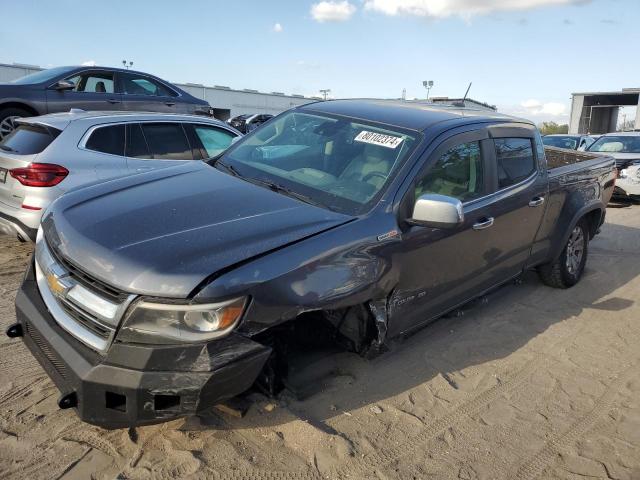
[
  {"x": 437, "y": 211},
  {"x": 64, "y": 85}
]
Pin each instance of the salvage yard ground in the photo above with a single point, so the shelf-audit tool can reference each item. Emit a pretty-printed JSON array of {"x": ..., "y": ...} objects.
[{"x": 532, "y": 383}]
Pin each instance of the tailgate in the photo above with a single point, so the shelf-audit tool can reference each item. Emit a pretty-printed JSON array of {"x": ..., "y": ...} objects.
[{"x": 12, "y": 192}]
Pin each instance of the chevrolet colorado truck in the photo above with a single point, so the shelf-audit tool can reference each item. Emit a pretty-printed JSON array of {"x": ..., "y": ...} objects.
[{"x": 158, "y": 295}]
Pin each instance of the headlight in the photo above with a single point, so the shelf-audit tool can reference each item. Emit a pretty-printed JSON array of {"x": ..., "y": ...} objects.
[{"x": 151, "y": 322}]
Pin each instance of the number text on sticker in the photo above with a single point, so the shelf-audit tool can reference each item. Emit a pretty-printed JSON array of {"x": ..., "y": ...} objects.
[{"x": 380, "y": 139}]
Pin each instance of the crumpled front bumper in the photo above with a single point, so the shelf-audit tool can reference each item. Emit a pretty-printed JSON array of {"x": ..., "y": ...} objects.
[{"x": 136, "y": 384}]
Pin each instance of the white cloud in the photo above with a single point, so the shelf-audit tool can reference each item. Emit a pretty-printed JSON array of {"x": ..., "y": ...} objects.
[
  {"x": 536, "y": 107},
  {"x": 332, "y": 11},
  {"x": 461, "y": 8},
  {"x": 555, "y": 109},
  {"x": 531, "y": 103},
  {"x": 89, "y": 63},
  {"x": 538, "y": 111},
  {"x": 277, "y": 28}
]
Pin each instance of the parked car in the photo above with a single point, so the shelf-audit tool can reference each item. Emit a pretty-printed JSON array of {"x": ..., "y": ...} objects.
[
  {"x": 52, "y": 154},
  {"x": 570, "y": 142},
  {"x": 91, "y": 88},
  {"x": 248, "y": 122},
  {"x": 625, "y": 148},
  {"x": 156, "y": 296}
]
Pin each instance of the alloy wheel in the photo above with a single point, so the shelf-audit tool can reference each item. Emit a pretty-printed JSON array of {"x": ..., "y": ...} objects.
[
  {"x": 7, "y": 126},
  {"x": 575, "y": 250}
]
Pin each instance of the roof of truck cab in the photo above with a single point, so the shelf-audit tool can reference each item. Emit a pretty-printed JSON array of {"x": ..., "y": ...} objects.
[
  {"x": 404, "y": 114},
  {"x": 61, "y": 120}
]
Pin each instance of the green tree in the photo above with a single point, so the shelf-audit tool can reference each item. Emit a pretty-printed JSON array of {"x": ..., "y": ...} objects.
[{"x": 550, "y": 128}]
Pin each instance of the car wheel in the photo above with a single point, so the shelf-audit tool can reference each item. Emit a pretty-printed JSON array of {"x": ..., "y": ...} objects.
[
  {"x": 8, "y": 116},
  {"x": 567, "y": 270}
]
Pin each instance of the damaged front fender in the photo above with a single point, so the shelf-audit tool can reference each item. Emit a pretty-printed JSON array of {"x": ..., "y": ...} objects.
[{"x": 321, "y": 273}]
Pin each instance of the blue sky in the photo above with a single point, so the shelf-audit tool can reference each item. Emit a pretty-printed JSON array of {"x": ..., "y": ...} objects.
[{"x": 526, "y": 56}]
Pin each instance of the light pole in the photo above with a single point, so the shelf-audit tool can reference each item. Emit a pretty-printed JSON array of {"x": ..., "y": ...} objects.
[
  {"x": 428, "y": 84},
  {"x": 325, "y": 92},
  {"x": 124, "y": 63}
]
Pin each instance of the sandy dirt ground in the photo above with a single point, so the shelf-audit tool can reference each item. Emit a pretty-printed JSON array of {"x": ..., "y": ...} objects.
[{"x": 530, "y": 383}]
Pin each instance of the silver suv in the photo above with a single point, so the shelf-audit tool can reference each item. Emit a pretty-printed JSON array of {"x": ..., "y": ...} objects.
[{"x": 49, "y": 155}]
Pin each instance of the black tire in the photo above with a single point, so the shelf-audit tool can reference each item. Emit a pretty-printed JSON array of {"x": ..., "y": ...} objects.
[
  {"x": 565, "y": 274},
  {"x": 6, "y": 114}
]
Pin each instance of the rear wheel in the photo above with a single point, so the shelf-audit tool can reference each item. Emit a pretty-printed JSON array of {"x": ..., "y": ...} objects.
[
  {"x": 8, "y": 116},
  {"x": 567, "y": 270}
]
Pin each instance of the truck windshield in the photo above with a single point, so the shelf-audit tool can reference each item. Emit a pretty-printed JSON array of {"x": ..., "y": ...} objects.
[
  {"x": 341, "y": 164},
  {"x": 617, "y": 144},
  {"x": 570, "y": 143}
]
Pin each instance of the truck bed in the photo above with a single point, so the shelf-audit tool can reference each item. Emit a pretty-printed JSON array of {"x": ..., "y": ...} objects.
[
  {"x": 562, "y": 162},
  {"x": 561, "y": 157}
]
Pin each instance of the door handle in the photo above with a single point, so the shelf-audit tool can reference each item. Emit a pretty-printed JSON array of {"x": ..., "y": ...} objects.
[
  {"x": 536, "y": 201},
  {"x": 483, "y": 224},
  {"x": 170, "y": 104},
  {"x": 113, "y": 101}
]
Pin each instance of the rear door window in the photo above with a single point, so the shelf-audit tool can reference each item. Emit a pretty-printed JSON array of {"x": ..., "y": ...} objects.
[
  {"x": 29, "y": 139},
  {"x": 515, "y": 160},
  {"x": 107, "y": 140},
  {"x": 214, "y": 140},
  {"x": 167, "y": 141},
  {"x": 133, "y": 84},
  {"x": 136, "y": 143}
]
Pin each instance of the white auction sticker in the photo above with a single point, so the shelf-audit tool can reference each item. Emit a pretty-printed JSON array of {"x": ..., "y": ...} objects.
[{"x": 380, "y": 139}]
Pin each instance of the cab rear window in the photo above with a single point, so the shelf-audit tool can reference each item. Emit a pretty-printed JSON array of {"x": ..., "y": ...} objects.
[{"x": 29, "y": 139}]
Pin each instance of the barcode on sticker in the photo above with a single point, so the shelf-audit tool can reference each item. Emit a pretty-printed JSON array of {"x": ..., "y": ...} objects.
[{"x": 380, "y": 139}]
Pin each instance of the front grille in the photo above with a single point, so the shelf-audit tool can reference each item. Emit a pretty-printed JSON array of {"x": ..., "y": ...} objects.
[
  {"x": 93, "y": 284},
  {"x": 86, "y": 319},
  {"x": 84, "y": 307},
  {"x": 46, "y": 350}
]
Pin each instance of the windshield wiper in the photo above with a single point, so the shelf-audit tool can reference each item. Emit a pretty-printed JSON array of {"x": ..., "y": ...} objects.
[
  {"x": 7, "y": 149},
  {"x": 286, "y": 191},
  {"x": 229, "y": 168},
  {"x": 270, "y": 185}
]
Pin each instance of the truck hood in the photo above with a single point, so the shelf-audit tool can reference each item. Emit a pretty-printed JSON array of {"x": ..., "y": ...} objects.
[{"x": 163, "y": 233}]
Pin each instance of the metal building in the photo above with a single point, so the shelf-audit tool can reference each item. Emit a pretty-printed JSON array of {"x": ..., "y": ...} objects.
[
  {"x": 597, "y": 112},
  {"x": 226, "y": 101}
]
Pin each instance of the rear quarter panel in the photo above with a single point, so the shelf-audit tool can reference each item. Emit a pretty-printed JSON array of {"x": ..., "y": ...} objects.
[{"x": 574, "y": 191}]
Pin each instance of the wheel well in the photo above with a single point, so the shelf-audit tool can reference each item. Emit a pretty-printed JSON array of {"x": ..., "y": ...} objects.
[
  {"x": 19, "y": 105},
  {"x": 345, "y": 329},
  {"x": 593, "y": 219}
]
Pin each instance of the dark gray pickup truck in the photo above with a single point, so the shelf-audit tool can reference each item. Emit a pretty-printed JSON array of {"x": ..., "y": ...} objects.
[{"x": 158, "y": 295}]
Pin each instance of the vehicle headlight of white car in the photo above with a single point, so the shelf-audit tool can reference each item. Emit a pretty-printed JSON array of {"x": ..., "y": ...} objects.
[{"x": 156, "y": 322}]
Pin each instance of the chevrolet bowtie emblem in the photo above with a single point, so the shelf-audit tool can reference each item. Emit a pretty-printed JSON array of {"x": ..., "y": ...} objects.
[{"x": 55, "y": 285}]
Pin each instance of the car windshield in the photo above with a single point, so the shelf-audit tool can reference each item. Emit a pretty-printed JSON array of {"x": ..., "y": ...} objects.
[
  {"x": 42, "y": 76},
  {"x": 340, "y": 164},
  {"x": 617, "y": 144},
  {"x": 561, "y": 142}
]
